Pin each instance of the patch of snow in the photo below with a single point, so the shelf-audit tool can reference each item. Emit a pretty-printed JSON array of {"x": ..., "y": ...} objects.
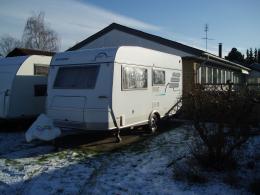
[{"x": 141, "y": 168}]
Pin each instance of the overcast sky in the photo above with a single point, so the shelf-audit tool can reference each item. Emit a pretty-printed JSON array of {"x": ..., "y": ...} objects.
[{"x": 235, "y": 23}]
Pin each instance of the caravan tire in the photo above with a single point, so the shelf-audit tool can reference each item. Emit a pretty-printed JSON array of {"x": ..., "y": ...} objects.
[{"x": 153, "y": 122}]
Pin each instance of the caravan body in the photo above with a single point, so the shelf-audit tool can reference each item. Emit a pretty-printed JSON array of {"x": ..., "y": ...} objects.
[
  {"x": 23, "y": 84},
  {"x": 111, "y": 88}
]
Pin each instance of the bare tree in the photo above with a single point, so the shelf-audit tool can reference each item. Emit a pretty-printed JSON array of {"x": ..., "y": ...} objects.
[
  {"x": 38, "y": 35},
  {"x": 7, "y": 44}
]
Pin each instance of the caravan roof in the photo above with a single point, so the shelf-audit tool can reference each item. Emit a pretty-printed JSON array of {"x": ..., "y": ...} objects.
[
  {"x": 122, "y": 54},
  {"x": 8, "y": 69},
  {"x": 11, "y": 64}
]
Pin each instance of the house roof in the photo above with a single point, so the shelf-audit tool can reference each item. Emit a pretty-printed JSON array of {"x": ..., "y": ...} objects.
[
  {"x": 154, "y": 38},
  {"x": 255, "y": 66},
  {"x": 25, "y": 52},
  {"x": 151, "y": 37}
]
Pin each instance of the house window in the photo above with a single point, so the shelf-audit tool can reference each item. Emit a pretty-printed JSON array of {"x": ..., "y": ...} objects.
[
  {"x": 215, "y": 76},
  {"x": 228, "y": 76},
  {"x": 232, "y": 76},
  {"x": 78, "y": 77},
  {"x": 40, "y": 90},
  {"x": 252, "y": 81},
  {"x": 134, "y": 78},
  {"x": 209, "y": 75},
  {"x": 236, "y": 78},
  {"x": 219, "y": 76},
  {"x": 41, "y": 70},
  {"x": 203, "y": 75},
  {"x": 197, "y": 75},
  {"x": 239, "y": 79},
  {"x": 158, "y": 77},
  {"x": 223, "y": 77}
]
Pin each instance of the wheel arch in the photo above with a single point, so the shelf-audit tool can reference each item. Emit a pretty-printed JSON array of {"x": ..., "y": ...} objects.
[{"x": 154, "y": 112}]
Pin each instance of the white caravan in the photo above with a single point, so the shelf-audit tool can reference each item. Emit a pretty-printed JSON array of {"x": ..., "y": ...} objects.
[
  {"x": 112, "y": 88},
  {"x": 23, "y": 87}
]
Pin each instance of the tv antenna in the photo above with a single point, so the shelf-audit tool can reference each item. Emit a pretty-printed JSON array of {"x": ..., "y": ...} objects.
[{"x": 206, "y": 29}]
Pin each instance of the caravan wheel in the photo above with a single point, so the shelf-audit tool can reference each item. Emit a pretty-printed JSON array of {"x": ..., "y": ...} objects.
[{"x": 153, "y": 122}]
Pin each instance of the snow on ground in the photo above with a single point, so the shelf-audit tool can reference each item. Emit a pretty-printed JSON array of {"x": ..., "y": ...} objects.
[{"x": 140, "y": 168}]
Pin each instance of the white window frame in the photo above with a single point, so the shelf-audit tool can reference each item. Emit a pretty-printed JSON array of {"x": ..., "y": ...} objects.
[
  {"x": 122, "y": 78},
  {"x": 155, "y": 84}
]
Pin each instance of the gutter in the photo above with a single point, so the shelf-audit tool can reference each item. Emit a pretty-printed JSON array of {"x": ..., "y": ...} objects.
[
  {"x": 244, "y": 69},
  {"x": 224, "y": 63}
]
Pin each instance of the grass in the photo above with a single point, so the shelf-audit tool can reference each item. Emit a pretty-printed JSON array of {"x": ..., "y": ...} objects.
[
  {"x": 43, "y": 159},
  {"x": 32, "y": 173},
  {"x": 10, "y": 162},
  {"x": 71, "y": 154}
]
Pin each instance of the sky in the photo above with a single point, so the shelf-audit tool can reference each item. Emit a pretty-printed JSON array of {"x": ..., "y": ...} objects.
[{"x": 235, "y": 23}]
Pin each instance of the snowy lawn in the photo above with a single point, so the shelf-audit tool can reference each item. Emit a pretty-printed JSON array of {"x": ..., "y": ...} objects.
[{"x": 141, "y": 168}]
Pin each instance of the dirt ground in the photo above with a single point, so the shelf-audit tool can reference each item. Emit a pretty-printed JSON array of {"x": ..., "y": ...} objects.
[
  {"x": 97, "y": 141},
  {"x": 106, "y": 141}
]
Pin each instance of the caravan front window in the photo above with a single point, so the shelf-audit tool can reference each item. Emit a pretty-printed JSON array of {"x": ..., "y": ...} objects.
[
  {"x": 78, "y": 77},
  {"x": 134, "y": 78}
]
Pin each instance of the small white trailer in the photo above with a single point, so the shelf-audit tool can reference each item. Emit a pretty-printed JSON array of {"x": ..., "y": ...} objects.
[
  {"x": 23, "y": 86},
  {"x": 112, "y": 88}
]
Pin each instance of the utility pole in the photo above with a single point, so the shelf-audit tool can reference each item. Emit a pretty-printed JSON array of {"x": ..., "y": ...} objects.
[{"x": 206, "y": 29}]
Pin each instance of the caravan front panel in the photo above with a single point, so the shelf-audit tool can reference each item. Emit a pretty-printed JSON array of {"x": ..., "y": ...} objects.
[{"x": 80, "y": 95}]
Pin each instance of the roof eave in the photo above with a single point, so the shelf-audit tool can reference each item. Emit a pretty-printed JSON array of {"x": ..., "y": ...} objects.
[
  {"x": 226, "y": 61},
  {"x": 212, "y": 60}
]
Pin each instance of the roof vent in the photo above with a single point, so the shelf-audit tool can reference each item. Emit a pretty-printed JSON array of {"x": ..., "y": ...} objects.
[{"x": 100, "y": 55}]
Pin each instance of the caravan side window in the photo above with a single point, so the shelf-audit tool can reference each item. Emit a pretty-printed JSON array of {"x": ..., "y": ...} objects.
[
  {"x": 77, "y": 77},
  {"x": 41, "y": 70},
  {"x": 134, "y": 78},
  {"x": 158, "y": 77}
]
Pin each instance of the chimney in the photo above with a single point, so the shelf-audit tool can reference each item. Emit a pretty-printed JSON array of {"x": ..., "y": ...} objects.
[{"x": 220, "y": 50}]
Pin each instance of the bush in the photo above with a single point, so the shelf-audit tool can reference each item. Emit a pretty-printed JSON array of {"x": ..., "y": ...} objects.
[
  {"x": 223, "y": 121},
  {"x": 185, "y": 170},
  {"x": 255, "y": 186}
]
